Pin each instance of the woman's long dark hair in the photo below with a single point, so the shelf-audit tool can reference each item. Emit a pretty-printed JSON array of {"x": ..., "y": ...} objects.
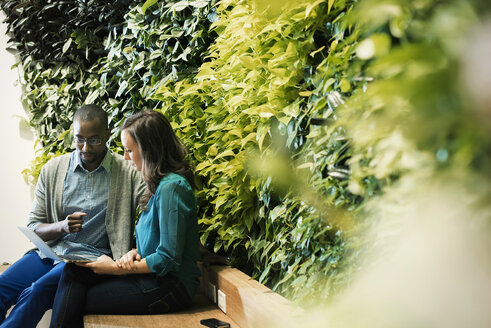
[{"x": 160, "y": 150}]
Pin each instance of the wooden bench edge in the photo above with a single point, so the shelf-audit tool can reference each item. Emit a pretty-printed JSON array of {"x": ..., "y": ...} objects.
[{"x": 247, "y": 302}]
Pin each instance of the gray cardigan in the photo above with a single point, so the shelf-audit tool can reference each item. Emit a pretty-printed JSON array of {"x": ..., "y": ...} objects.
[{"x": 125, "y": 187}]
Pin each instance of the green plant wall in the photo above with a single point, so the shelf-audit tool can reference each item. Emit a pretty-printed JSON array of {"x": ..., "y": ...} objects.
[
  {"x": 114, "y": 56},
  {"x": 59, "y": 43},
  {"x": 247, "y": 113},
  {"x": 308, "y": 122}
]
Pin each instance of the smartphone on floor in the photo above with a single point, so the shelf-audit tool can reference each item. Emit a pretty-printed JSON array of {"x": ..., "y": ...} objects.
[{"x": 214, "y": 323}]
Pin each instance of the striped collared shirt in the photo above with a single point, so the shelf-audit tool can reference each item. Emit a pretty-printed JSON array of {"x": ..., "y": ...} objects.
[{"x": 87, "y": 192}]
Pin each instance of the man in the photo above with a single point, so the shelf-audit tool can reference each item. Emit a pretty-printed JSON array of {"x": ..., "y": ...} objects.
[{"x": 84, "y": 201}]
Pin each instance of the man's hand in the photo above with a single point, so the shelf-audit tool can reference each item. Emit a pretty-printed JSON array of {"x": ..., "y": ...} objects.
[
  {"x": 73, "y": 222},
  {"x": 127, "y": 262},
  {"x": 50, "y": 231}
]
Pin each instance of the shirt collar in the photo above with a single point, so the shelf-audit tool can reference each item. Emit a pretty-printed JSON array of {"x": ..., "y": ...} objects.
[{"x": 106, "y": 162}]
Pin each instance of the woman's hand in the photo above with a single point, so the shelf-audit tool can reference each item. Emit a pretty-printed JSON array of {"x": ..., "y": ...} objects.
[
  {"x": 103, "y": 265},
  {"x": 127, "y": 262}
]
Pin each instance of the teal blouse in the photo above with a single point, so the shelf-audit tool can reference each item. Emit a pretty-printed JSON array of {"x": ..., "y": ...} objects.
[{"x": 167, "y": 232}]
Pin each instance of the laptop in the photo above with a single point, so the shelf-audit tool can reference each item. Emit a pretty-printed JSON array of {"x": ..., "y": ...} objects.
[{"x": 49, "y": 252}]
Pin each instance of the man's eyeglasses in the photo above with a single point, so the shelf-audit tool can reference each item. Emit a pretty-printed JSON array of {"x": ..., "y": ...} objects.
[{"x": 90, "y": 141}]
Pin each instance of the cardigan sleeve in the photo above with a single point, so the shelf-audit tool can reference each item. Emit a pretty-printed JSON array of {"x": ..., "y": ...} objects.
[
  {"x": 48, "y": 194},
  {"x": 37, "y": 215}
]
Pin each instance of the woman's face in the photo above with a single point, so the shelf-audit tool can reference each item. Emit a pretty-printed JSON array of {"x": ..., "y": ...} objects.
[{"x": 131, "y": 150}]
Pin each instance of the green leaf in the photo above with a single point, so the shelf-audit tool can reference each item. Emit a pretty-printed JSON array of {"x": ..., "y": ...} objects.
[
  {"x": 344, "y": 85},
  {"x": 264, "y": 274},
  {"x": 67, "y": 44},
  {"x": 225, "y": 153},
  {"x": 329, "y": 5},
  {"x": 148, "y": 4},
  {"x": 199, "y": 3},
  {"x": 180, "y": 5}
]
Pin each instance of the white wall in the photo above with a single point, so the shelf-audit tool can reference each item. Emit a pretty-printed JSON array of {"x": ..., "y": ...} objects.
[{"x": 17, "y": 150}]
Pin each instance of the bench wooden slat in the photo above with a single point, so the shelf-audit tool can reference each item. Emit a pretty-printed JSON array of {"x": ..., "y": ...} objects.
[
  {"x": 250, "y": 303},
  {"x": 202, "y": 309}
]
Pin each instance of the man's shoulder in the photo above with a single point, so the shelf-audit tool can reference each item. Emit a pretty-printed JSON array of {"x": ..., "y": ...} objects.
[
  {"x": 119, "y": 160},
  {"x": 121, "y": 164},
  {"x": 124, "y": 172},
  {"x": 117, "y": 157},
  {"x": 56, "y": 161}
]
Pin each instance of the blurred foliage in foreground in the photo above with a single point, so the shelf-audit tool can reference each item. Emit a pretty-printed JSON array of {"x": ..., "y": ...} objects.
[
  {"x": 309, "y": 122},
  {"x": 423, "y": 121}
]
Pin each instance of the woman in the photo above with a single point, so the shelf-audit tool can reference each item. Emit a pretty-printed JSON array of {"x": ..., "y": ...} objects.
[{"x": 161, "y": 274}]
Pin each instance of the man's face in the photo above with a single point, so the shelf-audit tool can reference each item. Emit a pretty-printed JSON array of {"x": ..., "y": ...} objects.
[{"x": 90, "y": 140}]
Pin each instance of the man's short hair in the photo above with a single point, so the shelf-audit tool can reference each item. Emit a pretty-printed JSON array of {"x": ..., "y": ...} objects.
[{"x": 90, "y": 112}]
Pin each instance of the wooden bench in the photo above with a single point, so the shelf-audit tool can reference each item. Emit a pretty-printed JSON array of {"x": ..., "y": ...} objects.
[
  {"x": 246, "y": 304},
  {"x": 202, "y": 309},
  {"x": 249, "y": 303}
]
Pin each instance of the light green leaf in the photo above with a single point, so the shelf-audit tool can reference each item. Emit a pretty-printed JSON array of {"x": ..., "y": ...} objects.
[
  {"x": 329, "y": 5},
  {"x": 202, "y": 165},
  {"x": 179, "y": 6},
  {"x": 225, "y": 153},
  {"x": 199, "y": 3},
  {"x": 344, "y": 85},
  {"x": 148, "y": 4},
  {"x": 310, "y": 7},
  {"x": 67, "y": 44}
]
